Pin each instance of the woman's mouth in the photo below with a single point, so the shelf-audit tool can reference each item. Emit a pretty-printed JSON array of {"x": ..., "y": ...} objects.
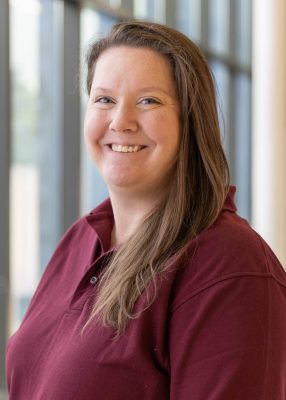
[{"x": 129, "y": 148}]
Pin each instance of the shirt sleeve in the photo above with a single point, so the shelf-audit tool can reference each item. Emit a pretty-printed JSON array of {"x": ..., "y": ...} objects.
[{"x": 227, "y": 342}]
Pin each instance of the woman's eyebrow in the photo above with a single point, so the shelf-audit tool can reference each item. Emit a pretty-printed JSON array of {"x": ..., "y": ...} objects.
[
  {"x": 154, "y": 89},
  {"x": 140, "y": 90},
  {"x": 101, "y": 89}
]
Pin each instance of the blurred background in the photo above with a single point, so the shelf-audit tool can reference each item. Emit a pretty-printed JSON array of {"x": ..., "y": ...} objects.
[{"x": 46, "y": 178}]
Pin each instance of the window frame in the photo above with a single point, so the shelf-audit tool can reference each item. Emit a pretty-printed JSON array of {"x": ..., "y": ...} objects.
[{"x": 4, "y": 185}]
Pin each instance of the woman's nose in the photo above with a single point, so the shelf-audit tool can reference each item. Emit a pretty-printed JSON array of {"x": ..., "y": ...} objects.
[{"x": 123, "y": 119}]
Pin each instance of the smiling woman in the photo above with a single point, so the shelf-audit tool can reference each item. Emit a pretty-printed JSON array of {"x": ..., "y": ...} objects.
[
  {"x": 162, "y": 291},
  {"x": 132, "y": 128}
]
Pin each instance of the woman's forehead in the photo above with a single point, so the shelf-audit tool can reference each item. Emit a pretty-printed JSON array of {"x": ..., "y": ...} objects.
[{"x": 142, "y": 67}]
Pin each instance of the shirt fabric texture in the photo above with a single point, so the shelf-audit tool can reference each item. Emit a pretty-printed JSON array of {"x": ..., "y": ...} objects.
[{"x": 216, "y": 331}]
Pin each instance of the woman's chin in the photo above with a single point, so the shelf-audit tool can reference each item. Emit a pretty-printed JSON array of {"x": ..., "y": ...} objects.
[
  {"x": 118, "y": 177},
  {"x": 121, "y": 182}
]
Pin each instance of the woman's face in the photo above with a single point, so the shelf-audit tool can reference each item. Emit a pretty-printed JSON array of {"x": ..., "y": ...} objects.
[{"x": 132, "y": 122}]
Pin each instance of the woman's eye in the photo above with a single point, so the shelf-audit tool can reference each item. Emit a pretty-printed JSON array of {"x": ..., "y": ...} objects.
[
  {"x": 103, "y": 100},
  {"x": 149, "y": 100}
]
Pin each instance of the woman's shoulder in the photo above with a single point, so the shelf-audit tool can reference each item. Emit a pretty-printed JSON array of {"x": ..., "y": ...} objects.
[
  {"x": 229, "y": 249},
  {"x": 234, "y": 247}
]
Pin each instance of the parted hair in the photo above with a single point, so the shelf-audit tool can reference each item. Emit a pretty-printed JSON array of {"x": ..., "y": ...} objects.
[{"x": 198, "y": 187}]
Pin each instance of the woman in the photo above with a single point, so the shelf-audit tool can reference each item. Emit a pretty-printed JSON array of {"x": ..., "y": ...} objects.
[{"x": 162, "y": 291}]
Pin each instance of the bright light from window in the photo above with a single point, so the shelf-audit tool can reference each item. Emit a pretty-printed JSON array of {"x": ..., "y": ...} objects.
[{"x": 29, "y": 6}]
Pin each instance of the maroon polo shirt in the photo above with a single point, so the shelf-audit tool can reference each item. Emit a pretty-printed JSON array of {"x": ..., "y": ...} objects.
[{"x": 216, "y": 331}]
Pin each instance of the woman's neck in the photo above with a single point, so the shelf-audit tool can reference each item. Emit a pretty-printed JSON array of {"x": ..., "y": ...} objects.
[{"x": 129, "y": 213}]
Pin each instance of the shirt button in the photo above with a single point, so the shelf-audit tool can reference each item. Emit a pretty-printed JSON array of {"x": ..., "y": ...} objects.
[{"x": 93, "y": 280}]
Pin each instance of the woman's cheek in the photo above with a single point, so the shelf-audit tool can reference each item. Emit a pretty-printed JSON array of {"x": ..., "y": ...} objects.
[{"x": 92, "y": 128}]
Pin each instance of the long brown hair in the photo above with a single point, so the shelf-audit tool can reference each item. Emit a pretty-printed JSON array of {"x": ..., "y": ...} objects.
[{"x": 199, "y": 185}]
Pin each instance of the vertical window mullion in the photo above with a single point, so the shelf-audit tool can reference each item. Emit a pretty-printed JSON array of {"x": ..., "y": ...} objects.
[
  {"x": 4, "y": 183},
  {"x": 60, "y": 123},
  {"x": 170, "y": 13},
  {"x": 240, "y": 121},
  {"x": 50, "y": 138},
  {"x": 71, "y": 116},
  {"x": 231, "y": 90},
  {"x": 205, "y": 24},
  {"x": 127, "y": 5}
]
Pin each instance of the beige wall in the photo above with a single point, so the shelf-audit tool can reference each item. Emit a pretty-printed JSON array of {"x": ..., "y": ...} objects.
[{"x": 269, "y": 123}]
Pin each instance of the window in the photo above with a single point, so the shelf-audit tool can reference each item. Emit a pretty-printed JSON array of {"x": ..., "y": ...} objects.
[
  {"x": 222, "y": 28},
  {"x": 24, "y": 172},
  {"x": 44, "y": 43}
]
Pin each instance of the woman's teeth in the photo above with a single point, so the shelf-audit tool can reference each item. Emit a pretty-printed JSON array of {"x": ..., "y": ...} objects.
[{"x": 125, "y": 149}]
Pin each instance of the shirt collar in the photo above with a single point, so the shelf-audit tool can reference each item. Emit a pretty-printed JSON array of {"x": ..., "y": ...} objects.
[
  {"x": 101, "y": 218},
  {"x": 229, "y": 204},
  {"x": 102, "y": 221}
]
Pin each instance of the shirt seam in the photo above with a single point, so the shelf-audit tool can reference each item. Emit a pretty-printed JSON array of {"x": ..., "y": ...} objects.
[{"x": 210, "y": 284}]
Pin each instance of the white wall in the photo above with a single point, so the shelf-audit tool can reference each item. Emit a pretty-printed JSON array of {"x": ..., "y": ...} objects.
[{"x": 269, "y": 123}]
